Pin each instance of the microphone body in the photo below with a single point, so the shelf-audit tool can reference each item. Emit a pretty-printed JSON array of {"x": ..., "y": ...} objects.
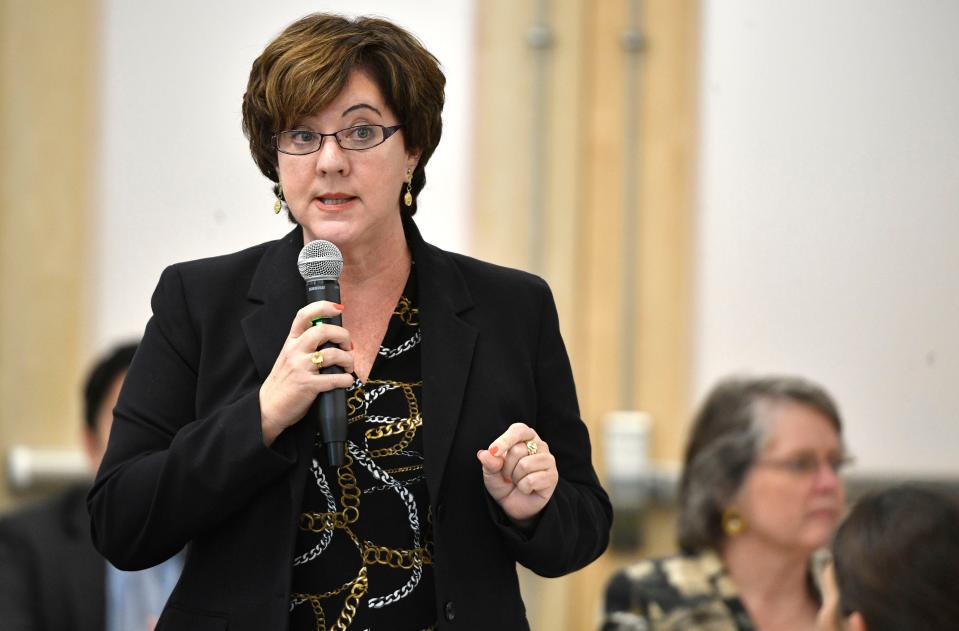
[
  {"x": 320, "y": 264},
  {"x": 332, "y": 403}
]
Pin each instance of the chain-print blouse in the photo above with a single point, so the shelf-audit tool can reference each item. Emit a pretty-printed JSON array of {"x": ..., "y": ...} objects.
[{"x": 364, "y": 545}]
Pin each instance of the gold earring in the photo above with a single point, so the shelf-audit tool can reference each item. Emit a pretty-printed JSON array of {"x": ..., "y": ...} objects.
[
  {"x": 280, "y": 203},
  {"x": 408, "y": 198},
  {"x": 733, "y": 522}
]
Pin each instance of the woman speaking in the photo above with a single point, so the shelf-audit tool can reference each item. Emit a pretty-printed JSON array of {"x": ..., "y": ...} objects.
[{"x": 465, "y": 452}]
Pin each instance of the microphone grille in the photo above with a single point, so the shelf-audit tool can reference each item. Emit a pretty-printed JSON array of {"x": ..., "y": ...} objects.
[{"x": 320, "y": 260}]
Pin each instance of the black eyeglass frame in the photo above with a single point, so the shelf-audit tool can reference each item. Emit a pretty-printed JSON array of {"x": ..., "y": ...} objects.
[{"x": 388, "y": 131}]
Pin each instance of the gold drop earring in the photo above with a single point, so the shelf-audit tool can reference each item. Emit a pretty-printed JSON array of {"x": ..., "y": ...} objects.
[
  {"x": 408, "y": 198},
  {"x": 732, "y": 521},
  {"x": 280, "y": 203}
]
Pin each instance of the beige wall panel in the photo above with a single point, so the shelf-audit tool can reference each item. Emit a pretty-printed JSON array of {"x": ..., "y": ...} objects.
[
  {"x": 666, "y": 175},
  {"x": 48, "y": 61},
  {"x": 599, "y": 339},
  {"x": 499, "y": 227},
  {"x": 565, "y": 203}
]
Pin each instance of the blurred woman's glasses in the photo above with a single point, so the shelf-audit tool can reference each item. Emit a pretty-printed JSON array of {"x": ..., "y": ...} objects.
[{"x": 807, "y": 464}]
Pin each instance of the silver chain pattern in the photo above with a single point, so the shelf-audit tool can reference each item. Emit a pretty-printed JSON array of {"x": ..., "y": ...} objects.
[{"x": 402, "y": 348}]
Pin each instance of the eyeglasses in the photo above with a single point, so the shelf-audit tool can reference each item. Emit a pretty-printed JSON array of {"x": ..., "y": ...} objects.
[
  {"x": 299, "y": 142},
  {"x": 807, "y": 465}
]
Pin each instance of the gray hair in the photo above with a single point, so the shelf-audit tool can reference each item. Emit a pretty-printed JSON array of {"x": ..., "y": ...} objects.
[{"x": 728, "y": 433}]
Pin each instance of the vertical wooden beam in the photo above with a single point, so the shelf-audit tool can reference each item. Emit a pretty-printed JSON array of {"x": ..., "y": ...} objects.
[
  {"x": 666, "y": 181},
  {"x": 48, "y": 77},
  {"x": 501, "y": 175},
  {"x": 667, "y": 178}
]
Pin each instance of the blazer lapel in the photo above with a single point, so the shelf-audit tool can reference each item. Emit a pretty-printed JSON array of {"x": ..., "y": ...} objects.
[
  {"x": 447, "y": 353},
  {"x": 277, "y": 292}
]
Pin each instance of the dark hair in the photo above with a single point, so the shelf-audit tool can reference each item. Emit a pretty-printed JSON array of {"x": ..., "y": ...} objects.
[
  {"x": 723, "y": 443},
  {"x": 308, "y": 65},
  {"x": 101, "y": 377},
  {"x": 896, "y": 560}
]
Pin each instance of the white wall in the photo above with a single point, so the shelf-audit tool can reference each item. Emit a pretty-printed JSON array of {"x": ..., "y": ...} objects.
[
  {"x": 828, "y": 227},
  {"x": 176, "y": 178}
]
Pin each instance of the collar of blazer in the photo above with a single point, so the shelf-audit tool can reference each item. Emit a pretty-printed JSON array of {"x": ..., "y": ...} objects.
[{"x": 278, "y": 291}]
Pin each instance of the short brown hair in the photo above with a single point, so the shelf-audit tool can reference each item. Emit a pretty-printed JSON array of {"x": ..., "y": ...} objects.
[
  {"x": 309, "y": 64},
  {"x": 726, "y": 437},
  {"x": 895, "y": 559}
]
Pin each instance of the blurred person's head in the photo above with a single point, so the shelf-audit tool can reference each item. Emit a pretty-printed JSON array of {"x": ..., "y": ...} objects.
[
  {"x": 762, "y": 462},
  {"x": 895, "y": 564},
  {"x": 100, "y": 394},
  {"x": 318, "y": 60}
]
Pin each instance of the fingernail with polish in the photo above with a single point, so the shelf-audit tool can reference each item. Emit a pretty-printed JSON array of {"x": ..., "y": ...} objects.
[
  {"x": 493, "y": 449},
  {"x": 338, "y": 306}
]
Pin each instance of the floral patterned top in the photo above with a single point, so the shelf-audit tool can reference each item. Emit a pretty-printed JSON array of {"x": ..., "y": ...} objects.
[
  {"x": 678, "y": 593},
  {"x": 689, "y": 592}
]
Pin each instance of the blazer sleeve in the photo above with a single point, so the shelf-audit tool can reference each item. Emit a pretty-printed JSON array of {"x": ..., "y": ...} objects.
[
  {"x": 573, "y": 528},
  {"x": 167, "y": 475}
]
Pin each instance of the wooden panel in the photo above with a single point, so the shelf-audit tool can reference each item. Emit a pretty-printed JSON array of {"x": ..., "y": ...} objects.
[
  {"x": 584, "y": 192},
  {"x": 666, "y": 173},
  {"x": 47, "y": 131},
  {"x": 501, "y": 175},
  {"x": 665, "y": 177}
]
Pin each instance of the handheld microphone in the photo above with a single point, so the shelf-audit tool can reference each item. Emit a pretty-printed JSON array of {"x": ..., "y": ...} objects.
[{"x": 320, "y": 264}]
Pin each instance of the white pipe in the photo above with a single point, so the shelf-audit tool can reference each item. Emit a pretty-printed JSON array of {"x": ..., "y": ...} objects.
[{"x": 32, "y": 466}]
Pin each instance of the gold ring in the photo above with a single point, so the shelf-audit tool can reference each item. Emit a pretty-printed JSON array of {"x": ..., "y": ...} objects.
[
  {"x": 317, "y": 358},
  {"x": 531, "y": 447}
]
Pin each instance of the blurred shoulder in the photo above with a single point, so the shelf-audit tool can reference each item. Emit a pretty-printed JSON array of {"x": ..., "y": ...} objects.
[
  {"x": 45, "y": 519},
  {"x": 24, "y": 522},
  {"x": 676, "y": 588},
  {"x": 687, "y": 574}
]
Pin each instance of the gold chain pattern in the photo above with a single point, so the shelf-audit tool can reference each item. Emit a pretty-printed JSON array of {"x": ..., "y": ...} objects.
[
  {"x": 355, "y": 404},
  {"x": 397, "y": 448},
  {"x": 401, "y": 559},
  {"x": 357, "y": 586},
  {"x": 409, "y": 314},
  {"x": 407, "y": 426},
  {"x": 412, "y": 467},
  {"x": 359, "y": 589},
  {"x": 391, "y": 429},
  {"x": 349, "y": 499}
]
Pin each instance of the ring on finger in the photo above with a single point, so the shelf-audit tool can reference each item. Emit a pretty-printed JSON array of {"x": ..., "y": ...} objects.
[
  {"x": 531, "y": 447},
  {"x": 316, "y": 358}
]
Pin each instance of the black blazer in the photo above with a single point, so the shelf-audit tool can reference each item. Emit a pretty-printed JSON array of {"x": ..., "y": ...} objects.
[
  {"x": 186, "y": 462},
  {"x": 51, "y": 577}
]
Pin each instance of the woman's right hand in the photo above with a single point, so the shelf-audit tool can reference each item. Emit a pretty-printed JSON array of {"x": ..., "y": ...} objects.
[{"x": 295, "y": 381}]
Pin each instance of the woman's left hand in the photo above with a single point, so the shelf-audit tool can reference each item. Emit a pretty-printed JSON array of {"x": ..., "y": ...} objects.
[{"x": 519, "y": 473}]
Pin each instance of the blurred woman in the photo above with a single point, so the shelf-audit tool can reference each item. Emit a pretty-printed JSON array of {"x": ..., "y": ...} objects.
[
  {"x": 895, "y": 564},
  {"x": 465, "y": 454},
  {"x": 759, "y": 494}
]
